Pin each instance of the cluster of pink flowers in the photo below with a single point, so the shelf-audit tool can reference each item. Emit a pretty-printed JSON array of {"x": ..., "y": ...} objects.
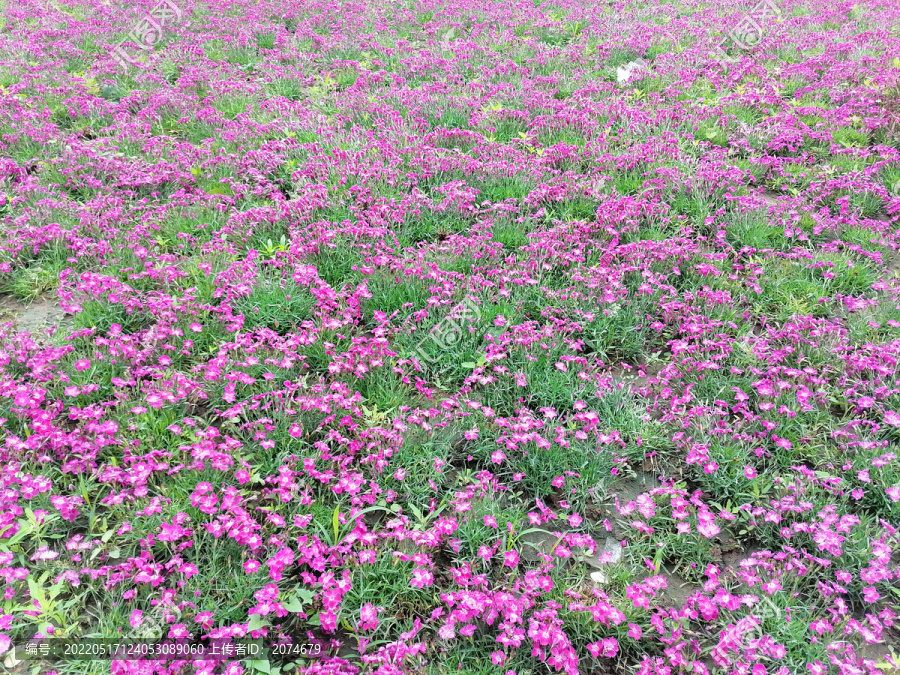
[{"x": 413, "y": 329}]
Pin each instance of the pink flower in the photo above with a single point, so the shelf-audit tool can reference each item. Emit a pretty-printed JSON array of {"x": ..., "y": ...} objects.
[
  {"x": 607, "y": 647},
  {"x": 302, "y": 521},
  {"x": 821, "y": 626},
  {"x": 82, "y": 364},
  {"x": 782, "y": 442},
  {"x": 892, "y": 418},
  {"x": 421, "y": 578},
  {"x": 44, "y": 553},
  {"x": 749, "y": 472},
  {"x": 179, "y": 630},
  {"x": 196, "y": 327},
  {"x": 708, "y": 529},
  {"x": 204, "y": 619},
  {"x": 870, "y": 594},
  {"x": 188, "y": 570},
  {"x": 764, "y": 388},
  {"x": 368, "y": 617},
  {"x": 136, "y": 618},
  {"x": 511, "y": 559},
  {"x": 817, "y": 668}
]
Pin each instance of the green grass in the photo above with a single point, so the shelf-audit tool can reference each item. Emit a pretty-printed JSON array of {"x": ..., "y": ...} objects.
[{"x": 264, "y": 278}]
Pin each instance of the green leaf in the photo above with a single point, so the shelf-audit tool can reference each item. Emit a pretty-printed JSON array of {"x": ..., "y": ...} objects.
[
  {"x": 37, "y": 593},
  {"x": 293, "y": 604},
  {"x": 256, "y": 622},
  {"x": 219, "y": 189},
  {"x": 260, "y": 665},
  {"x": 305, "y": 594},
  {"x": 335, "y": 522},
  {"x": 369, "y": 510},
  {"x": 25, "y": 529},
  {"x": 534, "y": 529}
]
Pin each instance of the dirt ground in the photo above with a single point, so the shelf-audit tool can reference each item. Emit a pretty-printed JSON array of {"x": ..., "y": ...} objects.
[{"x": 35, "y": 318}]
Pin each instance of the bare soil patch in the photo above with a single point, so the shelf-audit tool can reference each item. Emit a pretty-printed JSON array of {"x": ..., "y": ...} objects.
[{"x": 35, "y": 318}]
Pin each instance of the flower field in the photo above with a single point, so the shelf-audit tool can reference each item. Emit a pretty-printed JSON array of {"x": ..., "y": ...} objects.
[{"x": 442, "y": 337}]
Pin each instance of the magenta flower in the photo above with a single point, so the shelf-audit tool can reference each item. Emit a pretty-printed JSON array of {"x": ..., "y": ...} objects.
[
  {"x": 44, "y": 553},
  {"x": 368, "y": 617},
  {"x": 870, "y": 594},
  {"x": 892, "y": 418},
  {"x": 352, "y": 282},
  {"x": 421, "y": 578},
  {"x": 136, "y": 618}
]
